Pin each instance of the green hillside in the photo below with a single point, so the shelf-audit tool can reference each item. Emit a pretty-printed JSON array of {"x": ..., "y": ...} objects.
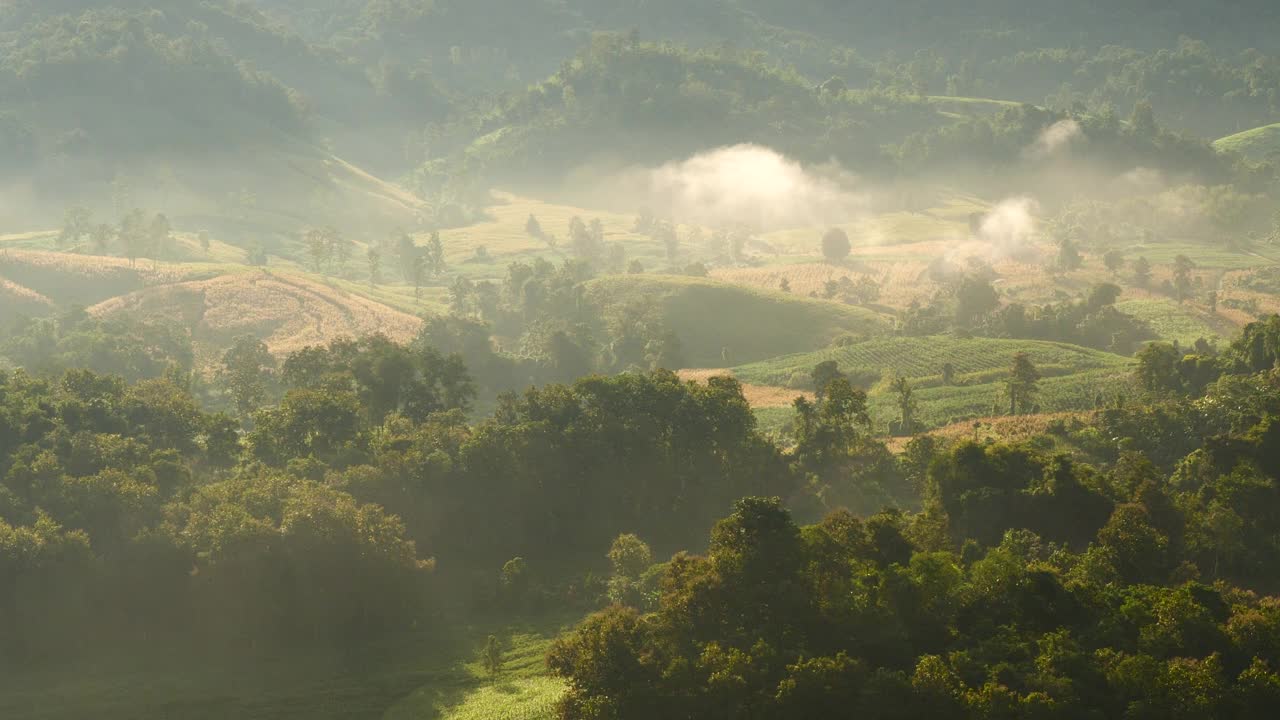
[
  {"x": 1260, "y": 143},
  {"x": 753, "y": 324}
]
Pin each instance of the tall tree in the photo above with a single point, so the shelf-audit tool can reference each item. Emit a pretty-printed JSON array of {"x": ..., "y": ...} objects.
[
  {"x": 374, "y": 258},
  {"x": 407, "y": 251},
  {"x": 133, "y": 234},
  {"x": 435, "y": 262},
  {"x": 247, "y": 373},
  {"x": 906, "y": 399},
  {"x": 1182, "y": 285},
  {"x": 1022, "y": 385},
  {"x": 160, "y": 237},
  {"x": 1141, "y": 272}
]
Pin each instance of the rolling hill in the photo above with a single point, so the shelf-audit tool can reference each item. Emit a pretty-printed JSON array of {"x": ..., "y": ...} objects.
[{"x": 710, "y": 317}]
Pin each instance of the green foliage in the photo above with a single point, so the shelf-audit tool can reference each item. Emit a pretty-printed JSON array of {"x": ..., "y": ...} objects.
[{"x": 132, "y": 349}]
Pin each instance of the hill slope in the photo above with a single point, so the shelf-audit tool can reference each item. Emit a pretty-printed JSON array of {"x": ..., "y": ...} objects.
[
  {"x": 1260, "y": 143},
  {"x": 752, "y": 324}
]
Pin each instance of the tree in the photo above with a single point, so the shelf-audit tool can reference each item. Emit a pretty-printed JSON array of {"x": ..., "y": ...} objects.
[
  {"x": 533, "y": 228},
  {"x": 974, "y": 298},
  {"x": 865, "y": 290},
  {"x": 1141, "y": 272},
  {"x": 76, "y": 224},
  {"x": 906, "y": 399},
  {"x": 318, "y": 248},
  {"x": 1022, "y": 385},
  {"x": 835, "y": 245},
  {"x": 435, "y": 262},
  {"x": 101, "y": 237},
  {"x": 824, "y": 373},
  {"x": 491, "y": 657},
  {"x": 374, "y": 258},
  {"x": 670, "y": 238},
  {"x": 339, "y": 248},
  {"x": 1068, "y": 256},
  {"x": 160, "y": 237},
  {"x": 247, "y": 370},
  {"x": 417, "y": 274},
  {"x": 630, "y": 558},
  {"x": 583, "y": 242},
  {"x": 133, "y": 234},
  {"x": 1102, "y": 295},
  {"x": 1182, "y": 285},
  {"x": 1158, "y": 368},
  {"x": 407, "y": 251},
  {"x": 1113, "y": 260}
]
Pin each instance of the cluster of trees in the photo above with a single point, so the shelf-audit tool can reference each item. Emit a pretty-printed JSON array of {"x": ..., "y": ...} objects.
[
  {"x": 137, "y": 235},
  {"x": 1168, "y": 369},
  {"x": 1031, "y": 585},
  {"x": 969, "y": 303}
]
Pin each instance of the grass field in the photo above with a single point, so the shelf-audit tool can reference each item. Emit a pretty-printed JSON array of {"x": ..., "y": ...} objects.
[
  {"x": 753, "y": 324},
  {"x": 446, "y": 684}
]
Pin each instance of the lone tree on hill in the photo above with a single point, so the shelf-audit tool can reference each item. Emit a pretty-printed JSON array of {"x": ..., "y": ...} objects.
[
  {"x": 906, "y": 403},
  {"x": 835, "y": 245},
  {"x": 1023, "y": 384},
  {"x": 492, "y": 657}
]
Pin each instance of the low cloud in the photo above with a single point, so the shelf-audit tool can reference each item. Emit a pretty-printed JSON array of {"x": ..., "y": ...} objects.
[
  {"x": 755, "y": 186},
  {"x": 1053, "y": 139}
]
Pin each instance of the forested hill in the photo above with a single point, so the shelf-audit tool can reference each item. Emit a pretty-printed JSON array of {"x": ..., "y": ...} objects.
[{"x": 143, "y": 91}]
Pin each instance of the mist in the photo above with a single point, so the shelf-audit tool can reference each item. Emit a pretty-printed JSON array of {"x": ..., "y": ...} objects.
[{"x": 748, "y": 185}]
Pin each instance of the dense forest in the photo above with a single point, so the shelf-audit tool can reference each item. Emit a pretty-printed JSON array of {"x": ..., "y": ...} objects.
[{"x": 603, "y": 360}]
